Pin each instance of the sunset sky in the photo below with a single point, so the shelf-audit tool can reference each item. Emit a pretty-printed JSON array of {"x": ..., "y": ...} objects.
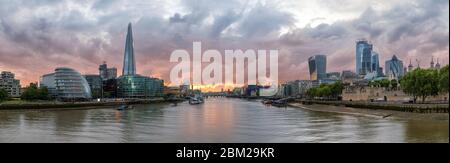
[{"x": 36, "y": 36}]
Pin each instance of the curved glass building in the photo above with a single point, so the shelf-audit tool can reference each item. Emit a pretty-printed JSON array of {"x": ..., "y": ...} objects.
[{"x": 70, "y": 84}]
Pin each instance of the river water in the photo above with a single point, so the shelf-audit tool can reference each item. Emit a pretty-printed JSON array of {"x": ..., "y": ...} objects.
[{"x": 218, "y": 120}]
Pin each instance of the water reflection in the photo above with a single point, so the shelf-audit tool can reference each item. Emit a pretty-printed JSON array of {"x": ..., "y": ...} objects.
[{"x": 218, "y": 120}]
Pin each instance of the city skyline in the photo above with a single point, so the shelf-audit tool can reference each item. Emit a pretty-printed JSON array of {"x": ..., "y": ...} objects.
[{"x": 34, "y": 45}]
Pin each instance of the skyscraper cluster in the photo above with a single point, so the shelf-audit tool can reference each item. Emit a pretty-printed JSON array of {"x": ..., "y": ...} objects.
[
  {"x": 66, "y": 83},
  {"x": 367, "y": 60}
]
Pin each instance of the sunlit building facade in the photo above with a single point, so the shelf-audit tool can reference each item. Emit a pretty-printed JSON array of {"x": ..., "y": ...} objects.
[{"x": 317, "y": 67}]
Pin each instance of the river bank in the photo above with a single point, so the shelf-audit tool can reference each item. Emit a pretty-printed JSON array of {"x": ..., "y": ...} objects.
[
  {"x": 379, "y": 113},
  {"x": 76, "y": 105}
]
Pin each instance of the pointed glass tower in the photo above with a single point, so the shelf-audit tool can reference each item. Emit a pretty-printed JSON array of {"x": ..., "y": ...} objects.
[{"x": 129, "y": 66}]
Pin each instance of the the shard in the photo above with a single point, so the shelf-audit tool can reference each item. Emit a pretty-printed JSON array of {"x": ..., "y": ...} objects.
[{"x": 129, "y": 64}]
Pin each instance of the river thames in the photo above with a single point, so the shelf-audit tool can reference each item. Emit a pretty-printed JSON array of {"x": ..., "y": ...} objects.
[{"x": 219, "y": 120}]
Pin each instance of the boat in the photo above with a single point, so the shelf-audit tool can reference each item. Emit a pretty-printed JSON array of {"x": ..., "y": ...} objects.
[
  {"x": 196, "y": 99},
  {"x": 267, "y": 102},
  {"x": 280, "y": 103},
  {"x": 125, "y": 107}
]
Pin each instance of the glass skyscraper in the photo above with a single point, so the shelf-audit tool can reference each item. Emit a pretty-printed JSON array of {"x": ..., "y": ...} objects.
[
  {"x": 132, "y": 85},
  {"x": 376, "y": 64},
  {"x": 317, "y": 67},
  {"x": 394, "y": 68},
  {"x": 129, "y": 67},
  {"x": 363, "y": 57}
]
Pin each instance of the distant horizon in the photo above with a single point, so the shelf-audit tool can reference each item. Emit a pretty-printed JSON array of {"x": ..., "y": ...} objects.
[{"x": 37, "y": 37}]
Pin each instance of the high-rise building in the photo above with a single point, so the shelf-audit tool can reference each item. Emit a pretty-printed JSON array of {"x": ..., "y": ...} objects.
[
  {"x": 394, "y": 68},
  {"x": 376, "y": 64},
  {"x": 107, "y": 73},
  {"x": 103, "y": 71},
  {"x": 111, "y": 73},
  {"x": 363, "y": 57},
  {"x": 129, "y": 67},
  {"x": 318, "y": 67},
  {"x": 10, "y": 84},
  {"x": 132, "y": 85}
]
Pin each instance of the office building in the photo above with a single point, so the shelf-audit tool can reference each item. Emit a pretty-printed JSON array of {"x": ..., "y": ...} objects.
[
  {"x": 394, "y": 68},
  {"x": 95, "y": 83},
  {"x": 48, "y": 81},
  {"x": 317, "y": 67},
  {"x": 129, "y": 64},
  {"x": 363, "y": 57},
  {"x": 107, "y": 73},
  {"x": 132, "y": 85},
  {"x": 66, "y": 84}
]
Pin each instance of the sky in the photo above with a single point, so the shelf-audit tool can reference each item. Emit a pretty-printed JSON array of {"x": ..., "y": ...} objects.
[{"x": 36, "y": 36}]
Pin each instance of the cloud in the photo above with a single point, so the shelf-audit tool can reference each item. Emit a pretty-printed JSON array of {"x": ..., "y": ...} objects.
[{"x": 36, "y": 36}]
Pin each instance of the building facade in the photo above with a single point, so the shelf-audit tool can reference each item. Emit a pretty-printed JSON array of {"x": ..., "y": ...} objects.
[
  {"x": 107, "y": 73},
  {"x": 129, "y": 64},
  {"x": 48, "y": 81},
  {"x": 136, "y": 86},
  {"x": 95, "y": 83},
  {"x": 10, "y": 84},
  {"x": 71, "y": 85},
  {"x": 132, "y": 85},
  {"x": 317, "y": 67},
  {"x": 394, "y": 68},
  {"x": 363, "y": 57}
]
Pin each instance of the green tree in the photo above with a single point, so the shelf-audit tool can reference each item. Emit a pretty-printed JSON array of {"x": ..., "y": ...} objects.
[
  {"x": 443, "y": 79},
  {"x": 394, "y": 84},
  {"x": 43, "y": 94},
  {"x": 3, "y": 95},
  {"x": 32, "y": 92},
  {"x": 421, "y": 83},
  {"x": 336, "y": 89},
  {"x": 326, "y": 90}
]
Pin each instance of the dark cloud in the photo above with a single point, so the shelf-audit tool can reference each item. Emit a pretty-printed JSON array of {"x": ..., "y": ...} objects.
[{"x": 36, "y": 36}]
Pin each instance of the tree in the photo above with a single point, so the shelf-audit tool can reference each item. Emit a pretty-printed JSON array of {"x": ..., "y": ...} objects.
[
  {"x": 394, "y": 84},
  {"x": 336, "y": 89},
  {"x": 443, "y": 79},
  {"x": 421, "y": 83},
  {"x": 380, "y": 83},
  {"x": 43, "y": 94},
  {"x": 32, "y": 92},
  {"x": 326, "y": 90},
  {"x": 3, "y": 95}
]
